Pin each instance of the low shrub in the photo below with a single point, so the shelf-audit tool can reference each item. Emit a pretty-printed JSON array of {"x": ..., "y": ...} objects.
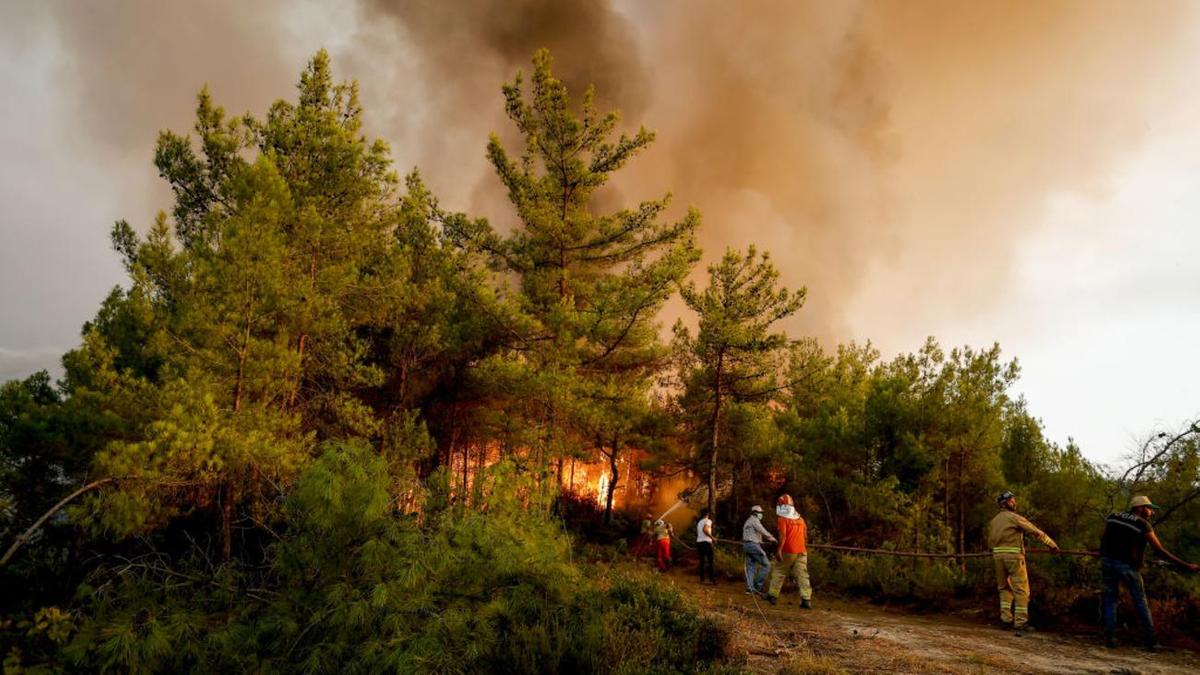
[{"x": 352, "y": 587}]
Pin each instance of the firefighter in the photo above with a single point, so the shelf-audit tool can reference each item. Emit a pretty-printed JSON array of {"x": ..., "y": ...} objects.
[
  {"x": 645, "y": 537},
  {"x": 1006, "y": 537},
  {"x": 792, "y": 553},
  {"x": 1122, "y": 548},
  {"x": 662, "y": 535}
]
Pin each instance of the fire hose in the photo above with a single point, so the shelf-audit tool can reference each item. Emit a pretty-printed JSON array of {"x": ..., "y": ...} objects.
[
  {"x": 923, "y": 554},
  {"x": 945, "y": 556}
]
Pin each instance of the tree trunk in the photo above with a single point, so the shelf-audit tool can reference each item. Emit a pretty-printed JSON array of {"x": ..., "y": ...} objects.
[
  {"x": 480, "y": 465},
  {"x": 448, "y": 462},
  {"x": 946, "y": 493},
  {"x": 24, "y": 536},
  {"x": 612, "y": 484},
  {"x": 241, "y": 371},
  {"x": 733, "y": 492},
  {"x": 466, "y": 470},
  {"x": 962, "y": 511},
  {"x": 226, "y": 521},
  {"x": 716, "y": 437},
  {"x": 299, "y": 376}
]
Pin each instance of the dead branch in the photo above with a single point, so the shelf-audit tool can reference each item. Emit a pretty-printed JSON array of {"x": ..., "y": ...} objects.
[{"x": 24, "y": 536}]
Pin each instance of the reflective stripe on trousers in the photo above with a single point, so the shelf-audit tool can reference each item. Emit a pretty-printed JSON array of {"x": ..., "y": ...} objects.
[{"x": 1012, "y": 582}]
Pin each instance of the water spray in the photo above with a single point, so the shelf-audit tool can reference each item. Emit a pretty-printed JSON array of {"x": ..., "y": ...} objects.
[{"x": 694, "y": 496}]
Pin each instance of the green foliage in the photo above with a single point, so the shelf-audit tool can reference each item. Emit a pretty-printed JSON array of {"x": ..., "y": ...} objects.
[
  {"x": 352, "y": 587},
  {"x": 904, "y": 580},
  {"x": 907, "y": 452},
  {"x": 734, "y": 356},
  {"x": 27, "y": 420},
  {"x": 581, "y": 339},
  {"x": 329, "y": 420},
  {"x": 294, "y": 296}
]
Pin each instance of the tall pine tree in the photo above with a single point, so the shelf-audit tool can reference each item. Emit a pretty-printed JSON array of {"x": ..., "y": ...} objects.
[{"x": 590, "y": 285}]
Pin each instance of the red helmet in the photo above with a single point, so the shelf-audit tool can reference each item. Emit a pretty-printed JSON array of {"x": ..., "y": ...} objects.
[{"x": 785, "y": 500}]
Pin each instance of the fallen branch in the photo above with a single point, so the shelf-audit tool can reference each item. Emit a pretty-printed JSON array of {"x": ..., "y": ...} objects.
[{"x": 25, "y": 536}]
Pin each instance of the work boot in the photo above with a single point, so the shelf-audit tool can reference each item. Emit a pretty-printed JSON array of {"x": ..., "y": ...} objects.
[
  {"x": 1024, "y": 630},
  {"x": 1152, "y": 646},
  {"x": 1110, "y": 641},
  {"x": 772, "y": 599},
  {"x": 805, "y": 604}
]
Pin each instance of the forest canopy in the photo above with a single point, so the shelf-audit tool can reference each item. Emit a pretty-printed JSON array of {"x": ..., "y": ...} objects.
[{"x": 329, "y": 425}]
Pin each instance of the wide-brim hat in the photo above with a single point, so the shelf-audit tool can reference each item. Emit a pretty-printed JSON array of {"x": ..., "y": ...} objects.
[{"x": 1143, "y": 500}]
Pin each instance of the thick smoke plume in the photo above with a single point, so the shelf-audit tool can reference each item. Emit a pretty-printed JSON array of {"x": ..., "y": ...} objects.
[{"x": 888, "y": 154}]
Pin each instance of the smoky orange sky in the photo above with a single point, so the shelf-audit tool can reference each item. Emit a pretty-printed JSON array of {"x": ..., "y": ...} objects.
[{"x": 1019, "y": 172}]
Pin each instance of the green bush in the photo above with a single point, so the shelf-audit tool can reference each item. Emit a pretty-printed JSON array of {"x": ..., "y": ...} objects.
[
  {"x": 900, "y": 579},
  {"x": 353, "y": 587}
]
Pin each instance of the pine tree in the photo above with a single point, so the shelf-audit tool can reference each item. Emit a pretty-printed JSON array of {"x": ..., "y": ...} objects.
[
  {"x": 736, "y": 355},
  {"x": 589, "y": 285},
  {"x": 260, "y": 306}
]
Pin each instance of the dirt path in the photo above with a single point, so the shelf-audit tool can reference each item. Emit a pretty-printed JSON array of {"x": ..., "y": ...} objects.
[{"x": 843, "y": 635}]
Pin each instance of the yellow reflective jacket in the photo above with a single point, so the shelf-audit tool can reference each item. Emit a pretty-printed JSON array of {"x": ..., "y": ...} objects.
[{"x": 1006, "y": 533}]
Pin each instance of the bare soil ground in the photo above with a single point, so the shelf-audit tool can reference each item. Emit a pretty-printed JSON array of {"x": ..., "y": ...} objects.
[{"x": 842, "y": 635}]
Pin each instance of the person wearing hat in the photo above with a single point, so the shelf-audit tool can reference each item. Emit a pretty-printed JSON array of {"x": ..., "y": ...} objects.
[
  {"x": 792, "y": 553},
  {"x": 1122, "y": 549},
  {"x": 1006, "y": 537},
  {"x": 757, "y": 564}
]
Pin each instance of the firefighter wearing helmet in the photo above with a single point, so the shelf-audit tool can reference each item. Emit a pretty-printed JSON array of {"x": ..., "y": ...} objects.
[
  {"x": 792, "y": 553},
  {"x": 1006, "y": 537}
]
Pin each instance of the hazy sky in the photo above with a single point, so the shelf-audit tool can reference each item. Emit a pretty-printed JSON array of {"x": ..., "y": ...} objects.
[{"x": 1021, "y": 172}]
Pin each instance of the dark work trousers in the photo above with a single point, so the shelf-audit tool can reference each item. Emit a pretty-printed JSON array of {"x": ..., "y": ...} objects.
[
  {"x": 708, "y": 569},
  {"x": 1114, "y": 574}
]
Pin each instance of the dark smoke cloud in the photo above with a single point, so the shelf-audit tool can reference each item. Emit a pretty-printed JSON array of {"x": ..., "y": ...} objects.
[
  {"x": 894, "y": 151},
  {"x": 466, "y": 45},
  {"x": 461, "y": 52}
]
